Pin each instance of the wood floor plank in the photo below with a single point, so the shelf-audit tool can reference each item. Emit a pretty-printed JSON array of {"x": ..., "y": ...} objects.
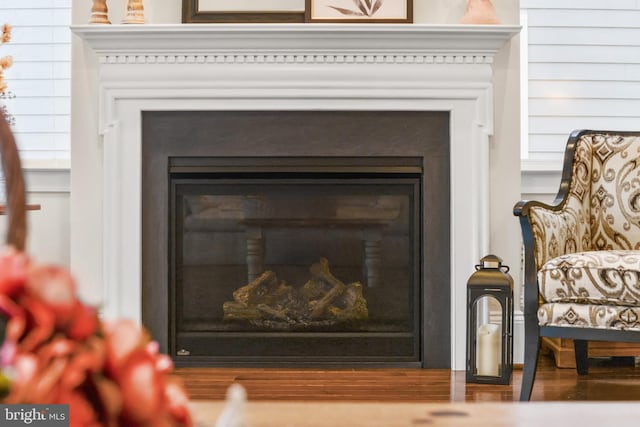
[{"x": 604, "y": 382}]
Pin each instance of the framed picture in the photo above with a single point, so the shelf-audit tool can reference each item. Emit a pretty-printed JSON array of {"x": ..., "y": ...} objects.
[
  {"x": 359, "y": 11},
  {"x": 230, "y": 11}
]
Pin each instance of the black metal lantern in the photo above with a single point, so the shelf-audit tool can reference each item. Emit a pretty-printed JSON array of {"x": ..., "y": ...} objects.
[{"x": 490, "y": 323}]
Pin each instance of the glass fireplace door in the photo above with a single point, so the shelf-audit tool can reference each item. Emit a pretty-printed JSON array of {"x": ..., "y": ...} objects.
[{"x": 295, "y": 267}]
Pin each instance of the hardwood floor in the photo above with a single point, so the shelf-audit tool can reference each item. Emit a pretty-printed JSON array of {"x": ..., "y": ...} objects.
[{"x": 605, "y": 381}]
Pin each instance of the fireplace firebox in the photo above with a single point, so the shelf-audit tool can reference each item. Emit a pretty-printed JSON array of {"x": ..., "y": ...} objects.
[
  {"x": 319, "y": 265},
  {"x": 297, "y": 238}
]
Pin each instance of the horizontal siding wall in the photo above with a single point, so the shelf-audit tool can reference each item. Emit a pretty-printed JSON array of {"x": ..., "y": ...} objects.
[
  {"x": 40, "y": 77},
  {"x": 583, "y": 71}
]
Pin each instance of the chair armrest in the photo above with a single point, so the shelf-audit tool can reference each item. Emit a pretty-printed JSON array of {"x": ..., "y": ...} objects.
[
  {"x": 551, "y": 230},
  {"x": 533, "y": 215},
  {"x": 523, "y": 207}
]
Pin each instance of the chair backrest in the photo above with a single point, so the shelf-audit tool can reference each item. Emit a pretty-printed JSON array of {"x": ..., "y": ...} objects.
[
  {"x": 598, "y": 205},
  {"x": 614, "y": 199}
]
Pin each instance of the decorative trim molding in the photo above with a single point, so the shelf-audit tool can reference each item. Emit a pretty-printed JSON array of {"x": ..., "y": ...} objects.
[{"x": 302, "y": 58}]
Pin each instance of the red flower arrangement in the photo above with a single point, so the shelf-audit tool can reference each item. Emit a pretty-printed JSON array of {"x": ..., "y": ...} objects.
[{"x": 57, "y": 351}]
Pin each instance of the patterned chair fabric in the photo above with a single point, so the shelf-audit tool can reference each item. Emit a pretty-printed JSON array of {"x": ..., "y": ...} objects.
[
  {"x": 598, "y": 289},
  {"x": 588, "y": 253}
]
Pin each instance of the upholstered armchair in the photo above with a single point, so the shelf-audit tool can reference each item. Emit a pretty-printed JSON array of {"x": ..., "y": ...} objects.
[{"x": 582, "y": 252}]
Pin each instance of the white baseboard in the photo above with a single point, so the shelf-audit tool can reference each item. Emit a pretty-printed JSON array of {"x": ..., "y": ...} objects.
[{"x": 518, "y": 337}]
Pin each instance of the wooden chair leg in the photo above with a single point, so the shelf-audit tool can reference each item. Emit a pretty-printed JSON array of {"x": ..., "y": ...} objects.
[
  {"x": 531, "y": 351},
  {"x": 581, "y": 348}
]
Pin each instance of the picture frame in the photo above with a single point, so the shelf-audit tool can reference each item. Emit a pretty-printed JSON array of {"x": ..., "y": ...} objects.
[
  {"x": 365, "y": 11},
  {"x": 243, "y": 11}
]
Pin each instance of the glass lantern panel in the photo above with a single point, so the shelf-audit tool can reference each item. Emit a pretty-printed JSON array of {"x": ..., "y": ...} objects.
[{"x": 488, "y": 312}]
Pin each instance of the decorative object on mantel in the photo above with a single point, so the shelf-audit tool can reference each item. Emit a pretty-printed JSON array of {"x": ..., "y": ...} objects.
[
  {"x": 490, "y": 323},
  {"x": 480, "y": 12},
  {"x": 218, "y": 11},
  {"x": 55, "y": 350},
  {"x": 371, "y": 11},
  {"x": 233, "y": 414},
  {"x": 135, "y": 12},
  {"x": 99, "y": 12}
]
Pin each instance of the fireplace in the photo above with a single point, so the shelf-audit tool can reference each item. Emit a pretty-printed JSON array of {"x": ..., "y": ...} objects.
[
  {"x": 141, "y": 71},
  {"x": 318, "y": 265},
  {"x": 299, "y": 237}
]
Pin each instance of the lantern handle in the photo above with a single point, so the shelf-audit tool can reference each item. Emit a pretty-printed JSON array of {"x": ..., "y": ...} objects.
[{"x": 505, "y": 268}]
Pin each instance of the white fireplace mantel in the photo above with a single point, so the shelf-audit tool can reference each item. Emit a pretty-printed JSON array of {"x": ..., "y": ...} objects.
[
  {"x": 201, "y": 39},
  {"x": 290, "y": 67}
]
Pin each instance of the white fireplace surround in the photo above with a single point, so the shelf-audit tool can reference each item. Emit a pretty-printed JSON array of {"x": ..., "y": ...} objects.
[{"x": 292, "y": 67}]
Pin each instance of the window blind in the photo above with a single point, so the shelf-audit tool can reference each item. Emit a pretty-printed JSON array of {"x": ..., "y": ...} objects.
[
  {"x": 39, "y": 77},
  {"x": 583, "y": 70}
]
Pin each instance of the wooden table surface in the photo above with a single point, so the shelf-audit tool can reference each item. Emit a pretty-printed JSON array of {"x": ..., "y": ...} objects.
[{"x": 368, "y": 414}]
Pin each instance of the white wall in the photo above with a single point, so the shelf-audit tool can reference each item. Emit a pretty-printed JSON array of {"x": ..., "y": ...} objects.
[
  {"x": 48, "y": 227},
  {"x": 86, "y": 145},
  {"x": 505, "y": 160}
]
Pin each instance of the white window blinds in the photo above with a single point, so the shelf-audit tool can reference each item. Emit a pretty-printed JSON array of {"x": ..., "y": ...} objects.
[
  {"x": 583, "y": 70},
  {"x": 39, "y": 77}
]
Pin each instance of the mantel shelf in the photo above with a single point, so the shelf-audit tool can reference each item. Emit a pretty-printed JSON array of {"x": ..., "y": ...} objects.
[{"x": 289, "y": 38}]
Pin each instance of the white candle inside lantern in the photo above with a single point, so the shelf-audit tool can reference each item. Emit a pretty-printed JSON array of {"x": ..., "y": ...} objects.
[{"x": 488, "y": 357}]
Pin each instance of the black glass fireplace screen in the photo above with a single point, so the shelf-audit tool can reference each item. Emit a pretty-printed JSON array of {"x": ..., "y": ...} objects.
[{"x": 295, "y": 263}]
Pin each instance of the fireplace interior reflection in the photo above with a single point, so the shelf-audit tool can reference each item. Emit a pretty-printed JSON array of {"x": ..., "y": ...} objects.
[{"x": 315, "y": 260}]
